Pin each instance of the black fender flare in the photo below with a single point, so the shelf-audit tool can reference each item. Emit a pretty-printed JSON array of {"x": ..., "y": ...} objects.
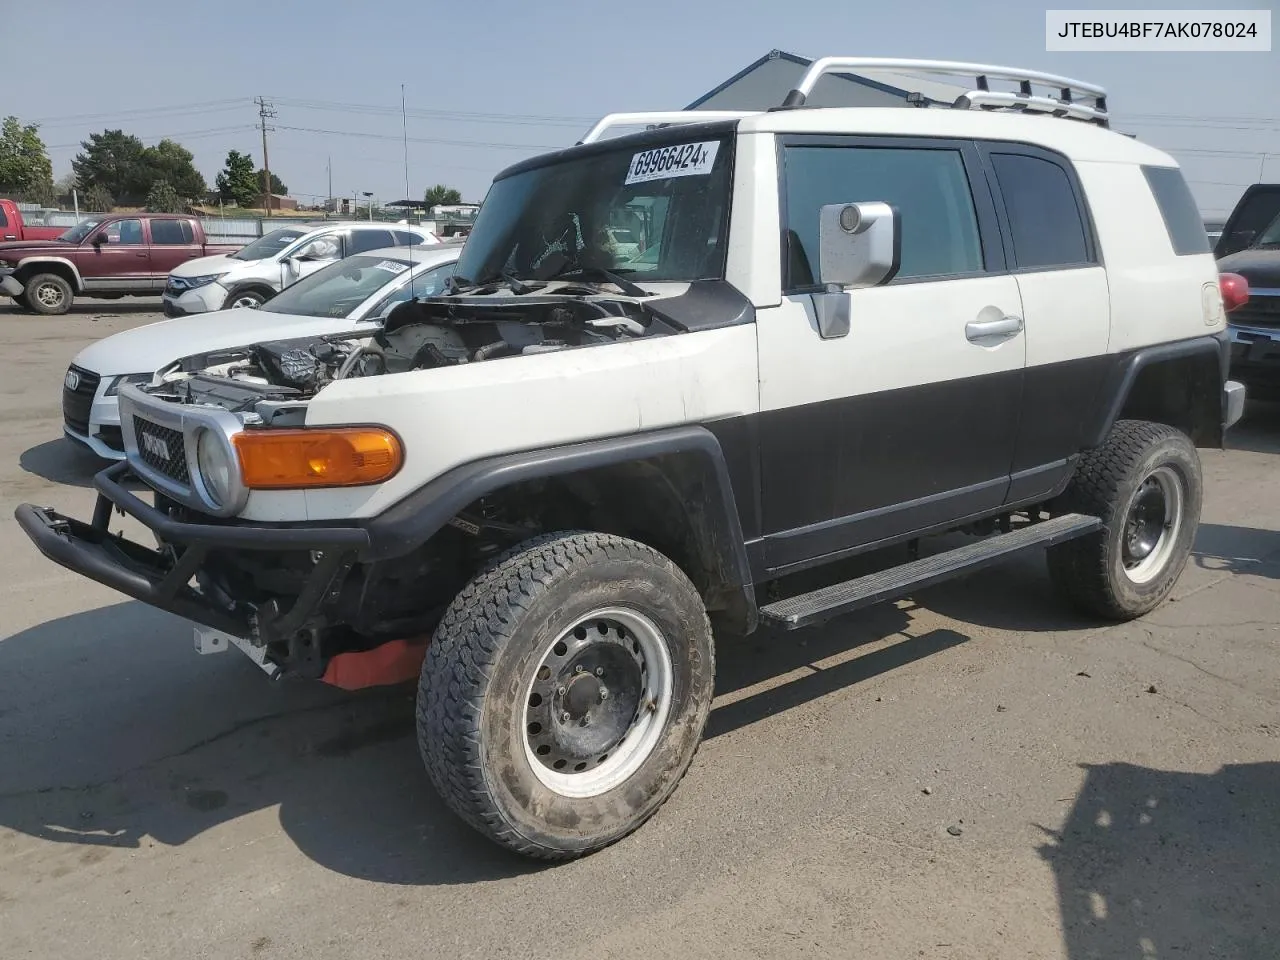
[
  {"x": 413, "y": 520},
  {"x": 1121, "y": 378}
]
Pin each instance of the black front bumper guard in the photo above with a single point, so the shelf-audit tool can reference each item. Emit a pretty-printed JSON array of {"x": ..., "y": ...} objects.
[{"x": 162, "y": 578}]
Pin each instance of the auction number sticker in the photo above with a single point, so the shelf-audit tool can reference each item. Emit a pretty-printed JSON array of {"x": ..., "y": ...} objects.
[
  {"x": 685, "y": 160},
  {"x": 390, "y": 266}
]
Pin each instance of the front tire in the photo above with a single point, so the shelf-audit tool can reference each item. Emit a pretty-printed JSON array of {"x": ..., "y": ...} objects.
[
  {"x": 48, "y": 294},
  {"x": 247, "y": 299},
  {"x": 1145, "y": 483},
  {"x": 565, "y": 692}
]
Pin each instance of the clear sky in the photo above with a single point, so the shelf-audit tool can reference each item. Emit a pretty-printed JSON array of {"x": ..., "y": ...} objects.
[{"x": 488, "y": 83}]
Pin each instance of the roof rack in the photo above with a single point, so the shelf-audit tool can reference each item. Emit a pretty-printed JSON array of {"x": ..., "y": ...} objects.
[
  {"x": 670, "y": 116},
  {"x": 1067, "y": 104}
]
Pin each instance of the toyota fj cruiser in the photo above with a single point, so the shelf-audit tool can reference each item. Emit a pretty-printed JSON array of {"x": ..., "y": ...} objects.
[{"x": 839, "y": 330}]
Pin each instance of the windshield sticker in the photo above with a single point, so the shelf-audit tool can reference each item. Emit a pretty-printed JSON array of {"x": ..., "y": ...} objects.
[
  {"x": 684, "y": 160},
  {"x": 391, "y": 266}
]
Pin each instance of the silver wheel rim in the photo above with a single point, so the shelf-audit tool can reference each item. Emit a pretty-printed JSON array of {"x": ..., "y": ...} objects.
[
  {"x": 48, "y": 295},
  {"x": 1152, "y": 525},
  {"x": 609, "y": 646},
  {"x": 246, "y": 300}
]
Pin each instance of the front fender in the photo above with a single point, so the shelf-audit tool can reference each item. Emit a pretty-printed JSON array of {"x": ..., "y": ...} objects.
[
  {"x": 32, "y": 264},
  {"x": 413, "y": 520}
]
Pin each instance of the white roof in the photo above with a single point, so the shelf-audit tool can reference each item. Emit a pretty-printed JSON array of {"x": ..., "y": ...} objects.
[{"x": 1073, "y": 138}]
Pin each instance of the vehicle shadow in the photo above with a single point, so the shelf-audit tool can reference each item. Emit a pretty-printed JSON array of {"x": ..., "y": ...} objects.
[
  {"x": 63, "y": 461},
  {"x": 116, "y": 733},
  {"x": 1152, "y": 863},
  {"x": 87, "y": 309},
  {"x": 1258, "y": 430},
  {"x": 1238, "y": 550},
  {"x": 1019, "y": 595}
]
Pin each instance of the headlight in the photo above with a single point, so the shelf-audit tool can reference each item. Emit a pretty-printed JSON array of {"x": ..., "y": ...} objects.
[
  {"x": 114, "y": 387},
  {"x": 192, "y": 282},
  {"x": 217, "y": 467}
]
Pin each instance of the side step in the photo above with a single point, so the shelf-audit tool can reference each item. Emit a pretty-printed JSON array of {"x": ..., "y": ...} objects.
[{"x": 823, "y": 604}]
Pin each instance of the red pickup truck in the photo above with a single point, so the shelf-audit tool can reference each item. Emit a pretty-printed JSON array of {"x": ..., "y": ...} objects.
[
  {"x": 109, "y": 256},
  {"x": 13, "y": 227}
]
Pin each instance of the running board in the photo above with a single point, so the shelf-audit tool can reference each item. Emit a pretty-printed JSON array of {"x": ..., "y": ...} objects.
[{"x": 828, "y": 602}]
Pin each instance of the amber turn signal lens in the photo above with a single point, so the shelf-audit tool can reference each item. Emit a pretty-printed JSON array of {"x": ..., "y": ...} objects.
[{"x": 340, "y": 457}]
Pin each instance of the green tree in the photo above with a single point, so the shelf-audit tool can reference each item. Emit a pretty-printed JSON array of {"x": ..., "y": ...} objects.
[
  {"x": 115, "y": 161},
  {"x": 277, "y": 185},
  {"x": 163, "y": 198},
  {"x": 172, "y": 162},
  {"x": 24, "y": 163},
  {"x": 441, "y": 194},
  {"x": 96, "y": 199},
  {"x": 237, "y": 182}
]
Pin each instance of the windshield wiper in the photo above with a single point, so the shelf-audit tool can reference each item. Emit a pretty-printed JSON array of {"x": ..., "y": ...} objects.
[{"x": 601, "y": 275}]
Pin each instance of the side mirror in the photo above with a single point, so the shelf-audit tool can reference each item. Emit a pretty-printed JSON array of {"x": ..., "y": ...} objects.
[
  {"x": 859, "y": 246},
  {"x": 100, "y": 239},
  {"x": 292, "y": 267}
]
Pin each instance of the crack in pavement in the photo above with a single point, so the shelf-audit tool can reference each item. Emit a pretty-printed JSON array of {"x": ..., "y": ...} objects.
[{"x": 185, "y": 751}]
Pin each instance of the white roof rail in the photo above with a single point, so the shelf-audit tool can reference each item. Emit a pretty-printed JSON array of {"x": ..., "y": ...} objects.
[
  {"x": 1066, "y": 104},
  {"x": 670, "y": 116}
]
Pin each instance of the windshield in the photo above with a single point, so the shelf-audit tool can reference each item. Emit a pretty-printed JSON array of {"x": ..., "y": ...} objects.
[
  {"x": 81, "y": 230},
  {"x": 1270, "y": 236},
  {"x": 336, "y": 290},
  {"x": 652, "y": 213},
  {"x": 269, "y": 244}
]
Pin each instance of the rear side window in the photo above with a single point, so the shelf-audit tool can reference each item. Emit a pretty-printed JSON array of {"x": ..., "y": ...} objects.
[
  {"x": 362, "y": 240},
  {"x": 928, "y": 187},
  {"x": 406, "y": 239},
  {"x": 1044, "y": 214},
  {"x": 1178, "y": 208},
  {"x": 170, "y": 233},
  {"x": 4, "y": 220}
]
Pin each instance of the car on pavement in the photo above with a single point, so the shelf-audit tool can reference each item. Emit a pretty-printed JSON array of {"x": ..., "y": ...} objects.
[
  {"x": 545, "y": 495},
  {"x": 107, "y": 257},
  {"x": 249, "y": 276},
  {"x": 1250, "y": 248},
  {"x": 352, "y": 295}
]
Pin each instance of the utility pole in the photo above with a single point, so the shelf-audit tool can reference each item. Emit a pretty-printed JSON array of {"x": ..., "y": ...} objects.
[
  {"x": 266, "y": 110},
  {"x": 329, "y": 167}
]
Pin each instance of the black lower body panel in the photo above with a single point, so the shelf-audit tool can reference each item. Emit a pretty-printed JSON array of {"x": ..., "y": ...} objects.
[{"x": 162, "y": 577}]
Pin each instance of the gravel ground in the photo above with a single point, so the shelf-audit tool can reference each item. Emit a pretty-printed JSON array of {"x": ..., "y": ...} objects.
[{"x": 975, "y": 773}]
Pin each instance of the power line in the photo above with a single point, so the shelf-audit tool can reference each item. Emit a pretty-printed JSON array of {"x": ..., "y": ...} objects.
[
  {"x": 436, "y": 140},
  {"x": 188, "y": 135},
  {"x": 334, "y": 106},
  {"x": 141, "y": 113}
]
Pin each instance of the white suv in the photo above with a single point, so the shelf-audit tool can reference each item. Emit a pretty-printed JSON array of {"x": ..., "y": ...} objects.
[
  {"x": 844, "y": 331},
  {"x": 275, "y": 260}
]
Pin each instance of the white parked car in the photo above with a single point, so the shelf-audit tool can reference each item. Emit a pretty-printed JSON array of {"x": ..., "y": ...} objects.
[
  {"x": 273, "y": 261},
  {"x": 350, "y": 295}
]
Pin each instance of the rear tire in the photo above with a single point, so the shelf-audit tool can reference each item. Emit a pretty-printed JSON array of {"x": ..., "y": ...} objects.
[
  {"x": 48, "y": 294},
  {"x": 1145, "y": 483},
  {"x": 565, "y": 692}
]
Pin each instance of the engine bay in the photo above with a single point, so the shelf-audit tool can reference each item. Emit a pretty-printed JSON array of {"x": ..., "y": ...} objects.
[{"x": 273, "y": 377}]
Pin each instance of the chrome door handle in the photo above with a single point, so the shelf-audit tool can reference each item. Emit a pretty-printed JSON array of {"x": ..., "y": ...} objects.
[{"x": 978, "y": 331}]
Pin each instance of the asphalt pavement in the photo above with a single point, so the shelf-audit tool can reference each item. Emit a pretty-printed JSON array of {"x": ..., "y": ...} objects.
[{"x": 977, "y": 772}]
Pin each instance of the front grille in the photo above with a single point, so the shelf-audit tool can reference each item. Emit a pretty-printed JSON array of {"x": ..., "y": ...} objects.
[
  {"x": 162, "y": 449},
  {"x": 76, "y": 403}
]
